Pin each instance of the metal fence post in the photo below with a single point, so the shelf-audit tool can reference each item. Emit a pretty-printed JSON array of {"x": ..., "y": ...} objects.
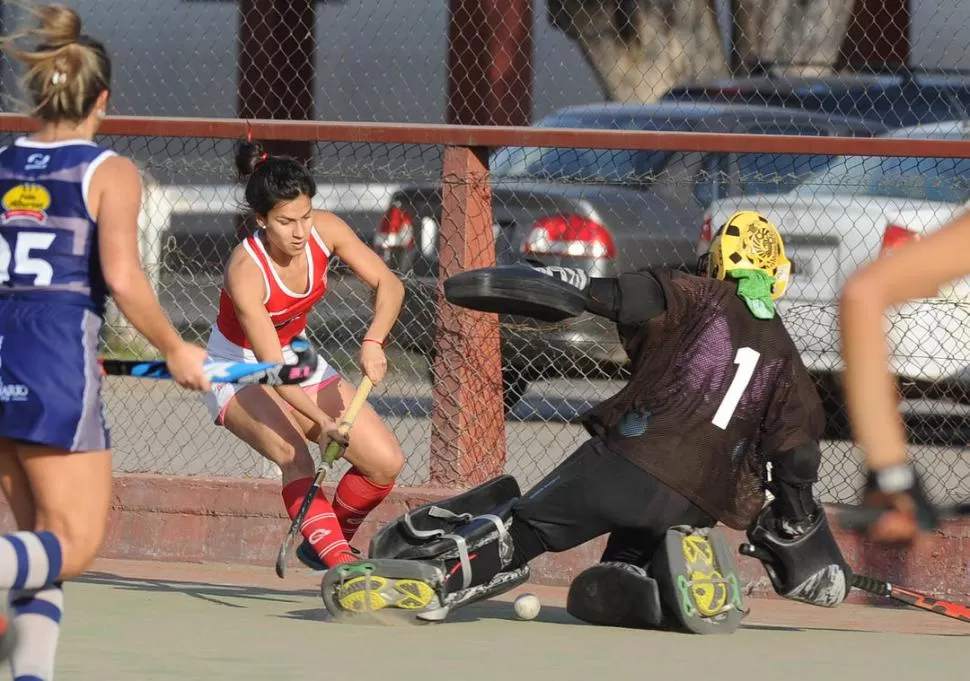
[{"x": 468, "y": 419}]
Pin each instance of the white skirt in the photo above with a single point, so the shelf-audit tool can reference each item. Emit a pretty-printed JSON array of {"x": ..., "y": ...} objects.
[{"x": 222, "y": 349}]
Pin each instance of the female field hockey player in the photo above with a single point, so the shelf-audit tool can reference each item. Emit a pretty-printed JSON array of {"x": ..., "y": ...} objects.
[
  {"x": 272, "y": 281},
  {"x": 915, "y": 270},
  {"x": 68, "y": 239}
]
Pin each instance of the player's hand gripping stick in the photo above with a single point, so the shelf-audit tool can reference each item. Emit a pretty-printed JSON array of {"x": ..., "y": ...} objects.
[
  {"x": 261, "y": 373},
  {"x": 334, "y": 449}
]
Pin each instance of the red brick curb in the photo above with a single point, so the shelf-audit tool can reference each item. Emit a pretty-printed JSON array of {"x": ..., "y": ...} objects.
[{"x": 242, "y": 521}]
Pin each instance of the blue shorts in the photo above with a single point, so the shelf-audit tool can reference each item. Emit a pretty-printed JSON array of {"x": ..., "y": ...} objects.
[{"x": 50, "y": 380}]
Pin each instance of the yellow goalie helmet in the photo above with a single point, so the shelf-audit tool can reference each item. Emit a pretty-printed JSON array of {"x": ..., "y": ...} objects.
[{"x": 748, "y": 241}]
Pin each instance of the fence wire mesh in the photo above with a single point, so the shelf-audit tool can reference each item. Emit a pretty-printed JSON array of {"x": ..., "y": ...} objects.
[
  {"x": 517, "y": 61},
  {"x": 607, "y": 211}
]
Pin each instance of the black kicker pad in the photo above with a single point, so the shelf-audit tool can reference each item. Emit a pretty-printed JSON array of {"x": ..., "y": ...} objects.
[
  {"x": 515, "y": 290},
  {"x": 697, "y": 575},
  {"x": 615, "y": 594},
  {"x": 428, "y": 523}
]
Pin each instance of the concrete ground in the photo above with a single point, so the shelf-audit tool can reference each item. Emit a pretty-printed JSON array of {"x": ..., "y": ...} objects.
[{"x": 161, "y": 621}]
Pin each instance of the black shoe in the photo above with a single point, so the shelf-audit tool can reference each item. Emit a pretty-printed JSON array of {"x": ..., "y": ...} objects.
[{"x": 306, "y": 555}]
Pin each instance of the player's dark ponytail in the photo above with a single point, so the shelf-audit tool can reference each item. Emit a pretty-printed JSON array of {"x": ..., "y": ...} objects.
[
  {"x": 270, "y": 179},
  {"x": 248, "y": 156}
]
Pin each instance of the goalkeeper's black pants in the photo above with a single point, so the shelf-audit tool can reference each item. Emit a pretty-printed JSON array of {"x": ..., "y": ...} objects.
[{"x": 593, "y": 492}]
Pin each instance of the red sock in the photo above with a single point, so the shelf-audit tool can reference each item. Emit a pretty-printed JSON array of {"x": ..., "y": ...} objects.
[
  {"x": 320, "y": 525},
  {"x": 356, "y": 496}
]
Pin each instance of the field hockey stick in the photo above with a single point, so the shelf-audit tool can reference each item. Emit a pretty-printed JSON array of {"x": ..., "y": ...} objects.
[
  {"x": 263, "y": 373},
  {"x": 881, "y": 587},
  {"x": 860, "y": 518},
  {"x": 333, "y": 451}
]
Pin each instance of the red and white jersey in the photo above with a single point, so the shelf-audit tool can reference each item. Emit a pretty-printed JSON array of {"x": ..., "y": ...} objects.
[{"x": 287, "y": 309}]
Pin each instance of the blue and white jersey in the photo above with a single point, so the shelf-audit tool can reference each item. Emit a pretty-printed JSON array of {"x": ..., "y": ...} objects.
[{"x": 48, "y": 238}]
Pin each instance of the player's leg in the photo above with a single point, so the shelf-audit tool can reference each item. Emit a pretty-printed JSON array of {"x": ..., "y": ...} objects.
[
  {"x": 71, "y": 496},
  {"x": 34, "y": 612},
  {"x": 637, "y": 581},
  {"x": 486, "y": 552},
  {"x": 374, "y": 454},
  {"x": 56, "y": 467},
  {"x": 261, "y": 418},
  {"x": 16, "y": 486},
  {"x": 618, "y": 591}
]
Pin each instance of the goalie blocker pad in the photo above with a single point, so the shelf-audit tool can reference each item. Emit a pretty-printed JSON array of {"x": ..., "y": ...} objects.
[{"x": 515, "y": 290}]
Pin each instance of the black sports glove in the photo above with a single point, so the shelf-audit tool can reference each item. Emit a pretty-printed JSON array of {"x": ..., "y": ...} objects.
[{"x": 898, "y": 492}]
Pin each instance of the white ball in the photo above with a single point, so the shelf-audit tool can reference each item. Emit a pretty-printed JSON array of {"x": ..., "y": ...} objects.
[{"x": 527, "y": 606}]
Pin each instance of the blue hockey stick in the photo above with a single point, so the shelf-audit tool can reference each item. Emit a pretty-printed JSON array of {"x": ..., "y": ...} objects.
[{"x": 264, "y": 373}]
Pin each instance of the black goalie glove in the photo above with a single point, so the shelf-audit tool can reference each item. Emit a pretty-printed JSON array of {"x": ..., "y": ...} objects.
[{"x": 802, "y": 559}]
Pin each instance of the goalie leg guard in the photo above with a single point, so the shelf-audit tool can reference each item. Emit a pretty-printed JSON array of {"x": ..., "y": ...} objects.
[
  {"x": 447, "y": 570},
  {"x": 615, "y": 594},
  {"x": 697, "y": 576},
  {"x": 430, "y": 522}
]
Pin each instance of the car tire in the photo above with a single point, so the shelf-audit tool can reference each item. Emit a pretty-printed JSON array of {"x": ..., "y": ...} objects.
[{"x": 515, "y": 384}]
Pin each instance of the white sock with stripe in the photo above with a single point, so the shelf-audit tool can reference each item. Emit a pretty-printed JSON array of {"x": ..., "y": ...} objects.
[
  {"x": 37, "y": 616},
  {"x": 29, "y": 560}
]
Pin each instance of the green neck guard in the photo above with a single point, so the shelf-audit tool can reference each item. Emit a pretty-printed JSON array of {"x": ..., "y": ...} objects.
[{"x": 754, "y": 288}]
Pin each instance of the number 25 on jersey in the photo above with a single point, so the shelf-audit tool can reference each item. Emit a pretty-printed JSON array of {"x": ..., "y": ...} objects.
[{"x": 23, "y": 258}]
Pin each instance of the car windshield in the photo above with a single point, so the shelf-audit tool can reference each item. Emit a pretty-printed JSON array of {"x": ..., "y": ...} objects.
[
  {"x": 603, "y": 165},
  {"x": 904, "y": 177}
]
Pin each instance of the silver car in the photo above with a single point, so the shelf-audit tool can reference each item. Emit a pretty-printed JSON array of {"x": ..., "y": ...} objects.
[
  {"x": 607, "y": 211},
  {"x": 843, "y": 217}
]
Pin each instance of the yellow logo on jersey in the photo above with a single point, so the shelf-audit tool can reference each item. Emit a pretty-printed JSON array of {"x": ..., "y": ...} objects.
[{"x": 29, "y": 201}]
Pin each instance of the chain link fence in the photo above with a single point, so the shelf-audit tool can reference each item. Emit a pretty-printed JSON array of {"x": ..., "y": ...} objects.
[
  {"x": 807, "y": 67},
  {"x": 606, "y": 210},
  {"x": 516, "y": 61}
]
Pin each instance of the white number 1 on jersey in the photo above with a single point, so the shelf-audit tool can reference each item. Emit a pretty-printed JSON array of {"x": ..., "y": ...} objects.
[{"x": 746, "y": 359}]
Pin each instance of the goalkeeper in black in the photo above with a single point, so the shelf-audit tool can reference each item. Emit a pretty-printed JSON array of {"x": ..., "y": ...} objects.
[{"x": 719, "y": 409}]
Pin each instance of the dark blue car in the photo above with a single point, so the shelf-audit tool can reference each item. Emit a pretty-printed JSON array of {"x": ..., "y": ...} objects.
[{"x": 895, "y": 99}]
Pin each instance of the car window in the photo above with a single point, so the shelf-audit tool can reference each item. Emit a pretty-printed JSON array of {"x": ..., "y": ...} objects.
[
  {"x": 761, "y": 173},
  {"x": 607, "y": 165},
  {"x": 923, "y": 179},
  {"x": 583, "y": 164}
]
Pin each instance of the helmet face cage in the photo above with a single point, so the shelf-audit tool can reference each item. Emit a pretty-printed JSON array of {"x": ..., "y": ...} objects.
[{"x": 748, "y": 241}]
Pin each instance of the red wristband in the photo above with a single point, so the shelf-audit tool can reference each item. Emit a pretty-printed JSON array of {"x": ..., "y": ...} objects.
[{"x": 374, "y": 340}]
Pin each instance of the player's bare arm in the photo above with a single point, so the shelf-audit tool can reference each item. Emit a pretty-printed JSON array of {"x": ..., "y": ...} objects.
[
  {"x": 916, "y": 270},
  {"x": 244, "y": 284},
  {"x": 115, "y": 196},
  {"x": 368, "y": 266}
]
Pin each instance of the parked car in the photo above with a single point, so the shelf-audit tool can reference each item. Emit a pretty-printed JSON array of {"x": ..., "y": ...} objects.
[
  {"x": 843, "y": 217},
  {"x": 898, "y": 100},
  {"x": 607, "y": 211}
]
